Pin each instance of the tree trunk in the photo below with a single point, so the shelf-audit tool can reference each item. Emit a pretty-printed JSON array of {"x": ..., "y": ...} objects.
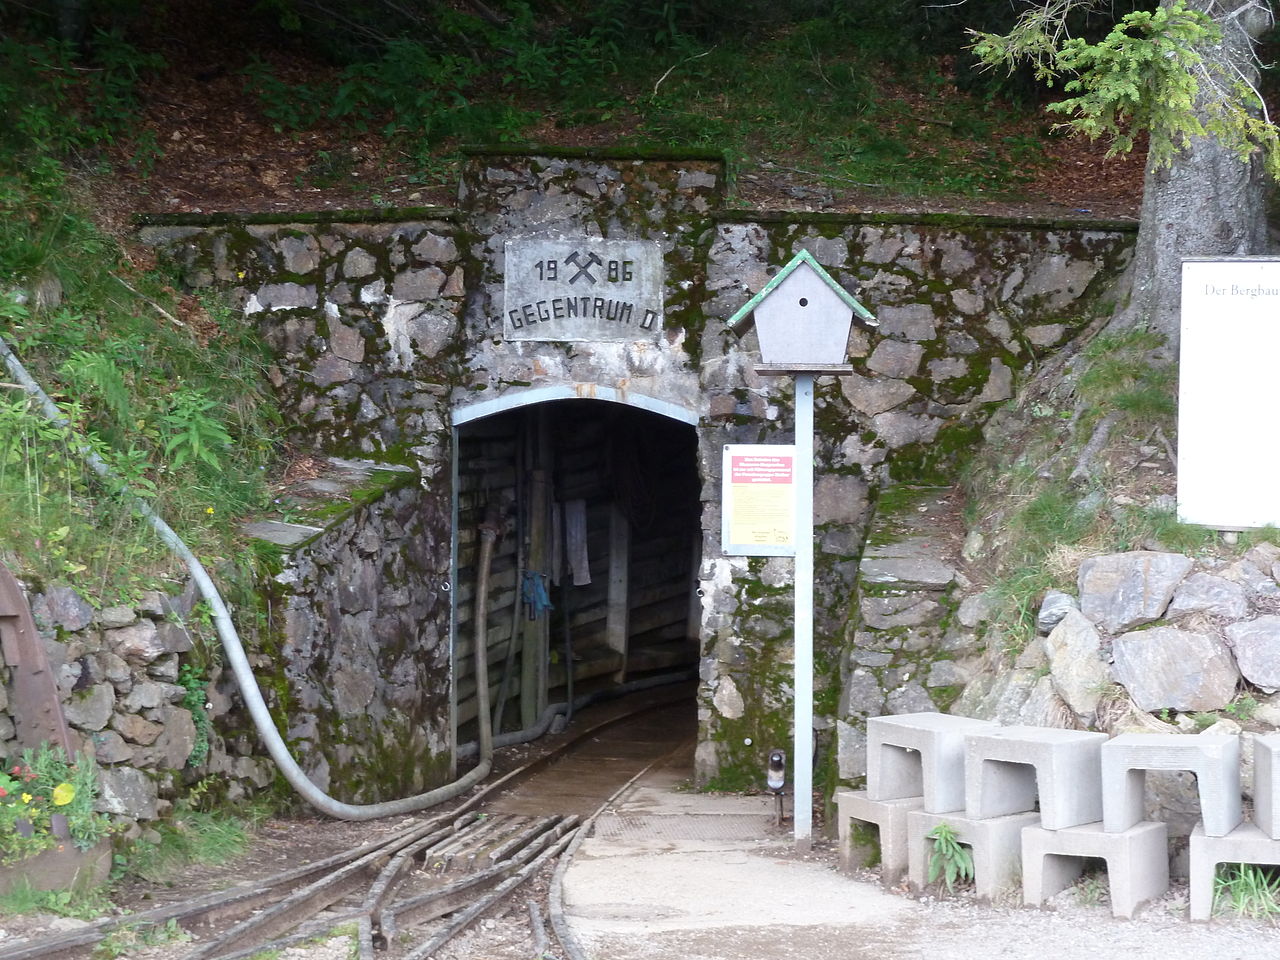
[{"x": 1206, "y": 203}]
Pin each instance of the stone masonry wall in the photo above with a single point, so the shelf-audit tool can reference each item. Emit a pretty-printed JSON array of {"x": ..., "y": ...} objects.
[
  {"x": 382, "y": 330},
  {"x": 117, "y": 671},
  {"x": 364, "y": 655}
]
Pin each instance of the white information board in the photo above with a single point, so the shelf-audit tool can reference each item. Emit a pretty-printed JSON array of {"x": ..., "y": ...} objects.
[
  {"x": 758, "y": 502},
  {"x": 1229, "y": 364}
]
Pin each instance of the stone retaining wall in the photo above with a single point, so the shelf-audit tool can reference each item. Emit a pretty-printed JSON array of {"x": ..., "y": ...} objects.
[{"x": 384, "y": 327}]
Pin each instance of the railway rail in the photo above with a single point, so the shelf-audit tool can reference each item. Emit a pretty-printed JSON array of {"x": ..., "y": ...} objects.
[{"x": 407, "y": 895}]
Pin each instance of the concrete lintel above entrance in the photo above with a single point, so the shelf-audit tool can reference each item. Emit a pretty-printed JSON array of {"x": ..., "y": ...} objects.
[{"x": 572, "y": 391}]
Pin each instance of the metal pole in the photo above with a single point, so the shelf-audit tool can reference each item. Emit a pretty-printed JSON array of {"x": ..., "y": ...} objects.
[{"x": 802, "y": 754}]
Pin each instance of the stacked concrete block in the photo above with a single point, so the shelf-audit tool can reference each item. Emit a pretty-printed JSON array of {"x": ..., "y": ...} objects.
[
  {"x": 1266, "y": 789},
  {"x": 1008, "y": 769},
  {"x": 1257, "y": 842},
  {"x": 996, "y": 845},
  {"x": 1137, "y": 862},
  {"x": 1213, "y": 758},
  {"x": 919, "y": 755},
  {"x": 1245, "y": 844},
  {"x": 890, "y": 818}
]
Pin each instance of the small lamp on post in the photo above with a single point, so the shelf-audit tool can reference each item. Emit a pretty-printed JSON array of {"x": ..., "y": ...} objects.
[{"x": 802, "y": 319}]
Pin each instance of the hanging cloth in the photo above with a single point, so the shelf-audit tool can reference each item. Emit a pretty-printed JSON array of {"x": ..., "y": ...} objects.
[
  {"x": 575, "y": 541},
  {"x": 533, "y": 592}
]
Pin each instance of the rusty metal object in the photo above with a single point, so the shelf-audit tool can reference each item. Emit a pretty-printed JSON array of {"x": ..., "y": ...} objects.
[{"x": 34, "y": 702}]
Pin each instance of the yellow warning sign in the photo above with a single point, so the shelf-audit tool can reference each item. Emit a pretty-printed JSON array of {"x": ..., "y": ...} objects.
[{"x": 759, "y": 500}]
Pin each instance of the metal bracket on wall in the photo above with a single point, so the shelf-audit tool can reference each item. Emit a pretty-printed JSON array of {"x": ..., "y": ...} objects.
[{"x": 34, "y": 702}]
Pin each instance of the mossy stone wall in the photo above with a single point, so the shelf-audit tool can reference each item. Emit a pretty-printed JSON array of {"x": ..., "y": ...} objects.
[{"x": 372, "y": 362}]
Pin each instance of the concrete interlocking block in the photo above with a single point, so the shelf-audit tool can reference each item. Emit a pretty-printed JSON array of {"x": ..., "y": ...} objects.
[
  {"x": 890, "y": 816},
  {"x": 919, "y": 754},
  {"x": 1213, "y": 758},
  {"x": 1245, "y": 844},
  {"x": 996, "y": 844},
  {"x": 1008, "y": 769},
  {"x": 1137, "y": 862},
  {"x": 1266, "y": 784}
]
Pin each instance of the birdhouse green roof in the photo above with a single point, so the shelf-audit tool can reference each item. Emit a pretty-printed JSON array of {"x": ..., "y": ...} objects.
[{"x": 739, "y": 320}]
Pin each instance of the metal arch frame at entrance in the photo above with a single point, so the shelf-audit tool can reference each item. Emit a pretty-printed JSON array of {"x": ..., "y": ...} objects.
[{"x": 573, "y": 391}]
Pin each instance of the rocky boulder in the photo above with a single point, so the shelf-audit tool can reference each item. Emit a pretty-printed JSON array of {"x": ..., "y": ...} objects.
[
  {"x": 1120, "y": 591},
  {"x": 1167, "y": 668}
]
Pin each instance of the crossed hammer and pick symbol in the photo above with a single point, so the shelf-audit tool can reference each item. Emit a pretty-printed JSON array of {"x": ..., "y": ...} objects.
[{"x": 584, "y": 269}]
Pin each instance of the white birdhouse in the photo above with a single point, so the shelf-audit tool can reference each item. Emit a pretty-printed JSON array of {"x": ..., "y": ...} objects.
[{"x": 802, "y": 318}]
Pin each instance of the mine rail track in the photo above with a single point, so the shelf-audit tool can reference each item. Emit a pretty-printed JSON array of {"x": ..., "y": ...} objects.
[{"x": 403, "y": 897}]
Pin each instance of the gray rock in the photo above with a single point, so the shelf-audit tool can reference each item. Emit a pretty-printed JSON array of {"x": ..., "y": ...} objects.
[
  {"x": 299, "y": 254},
  {"x": 421, "y": 285},
  {"x": 174, "y": 637},
  {"x": 917, "y": 572},
  {"x": 910, "y": 698},
  {"x": 885, "y": 613},
  {"x": 62, "y": 608},
  {"x": 839, "y": 499},
  {"x": 145, "y": 695},
  {"x": 1165, "y": 667},
  {"x": 1215, "y": 596},
  {"x": 1045, "y": 708},
  {"x": 892, "y": 358},
  {"x": 136, "y": 729},
  {"x": 1254, "y": 580},
  {"x": 90, "y": 709},
  {"x": 1257, "y": 647},
  {"x": 138, "y": 644},
  {"x": 1264, "y": 555},
  {"x": 945, "y": 673},
  {"x": 1045, "y": 335},
  {"x": 283, "y": 296},
  {"x": 728, "y": 699},
  {"x": 126, "y": 791},
  {"x": 975, "y": 609},
  {"x": 1074, "y": 648},
  {"x": 112, "y": 667},
  {"x": 999, "y": 385},
  {"x": 109, "y": 747},
  {"x": 1053, "y": 608},
  {"x": 912, "y": 321},
  {"x": 111, "y": 617},
  {"x": 898, "y": 428},
  {"x": 851, "y": 751},
  {"x": 346, "y": 342},
  {"x": 358, "y": 263},
  {"x": 872, "y": 395},
  {"x": 1120, "y": 591},
  {"x": 331, "y": 369},
  {"x": 436, "y": 249},
  {"x": 862, "y": 695}
]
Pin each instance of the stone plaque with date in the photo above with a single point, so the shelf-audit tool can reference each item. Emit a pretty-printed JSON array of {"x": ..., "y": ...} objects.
[{"x": 582, "y": 289}]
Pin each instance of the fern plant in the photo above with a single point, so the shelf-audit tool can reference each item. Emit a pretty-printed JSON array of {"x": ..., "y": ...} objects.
[{"x": 949, "y": 860}]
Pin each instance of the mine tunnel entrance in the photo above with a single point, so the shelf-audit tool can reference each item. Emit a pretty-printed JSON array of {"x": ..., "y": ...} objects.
[{"x": 593, "y": 581}]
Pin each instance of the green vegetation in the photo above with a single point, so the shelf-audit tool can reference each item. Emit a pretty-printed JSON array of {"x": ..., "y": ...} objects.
[
  {"x": 190, "y": 835},
  {"x": 950, "y": 861},
  {"x": 1052, "y": 496},
  {"x": 81, "y": 904},
  {"x": 1247, "y": 890},
  {"x": 1151, "y": 73},
  {"x": 39, "y": 785},
  {"x": 125, "y": 941}
]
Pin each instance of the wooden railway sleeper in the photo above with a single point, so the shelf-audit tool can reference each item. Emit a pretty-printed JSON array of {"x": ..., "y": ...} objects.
[{"x": 311, "y": 899}]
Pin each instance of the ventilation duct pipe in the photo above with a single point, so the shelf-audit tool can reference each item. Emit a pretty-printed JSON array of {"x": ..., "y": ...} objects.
[{"x": 239, "y": 662}]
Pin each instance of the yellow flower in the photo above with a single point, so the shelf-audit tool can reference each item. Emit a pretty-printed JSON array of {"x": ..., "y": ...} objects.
[
  {"x": 208, "y": 509},
  {"x": 26, "y": 798},
  {"x": 63, "y": 794}
]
